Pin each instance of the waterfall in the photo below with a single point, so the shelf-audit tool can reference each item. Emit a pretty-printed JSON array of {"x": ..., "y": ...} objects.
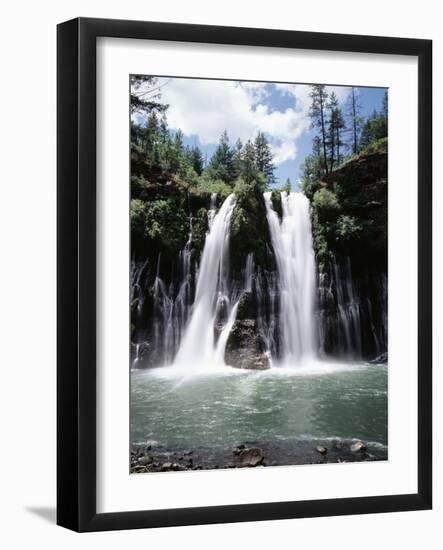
[
  {"x": 171, "y": 306},
  {"x": 197, "y": 346},
  {"x": 266, "y": 292},
  {"x": 212, "y": 209},
  {"x": 348, "y": 310},
  {"x": 292, "y": 242},
  {"x": 249, "y": 271}
]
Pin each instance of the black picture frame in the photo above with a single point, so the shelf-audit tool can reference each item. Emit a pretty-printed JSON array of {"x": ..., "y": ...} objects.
[{"x": 76, "y": 280}]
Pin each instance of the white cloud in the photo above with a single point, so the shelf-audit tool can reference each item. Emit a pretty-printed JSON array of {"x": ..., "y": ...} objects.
[
  {"x": 286, "y": 151},
  {"x": 207, "y": 107},
  {"x": 300, "y": 92}
]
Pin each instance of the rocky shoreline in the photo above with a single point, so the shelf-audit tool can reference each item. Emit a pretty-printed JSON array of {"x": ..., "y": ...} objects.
[{"x": 155, "y": 458}]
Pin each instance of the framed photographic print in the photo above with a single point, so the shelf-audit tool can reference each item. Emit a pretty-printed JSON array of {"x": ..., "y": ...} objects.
[{"x": 244, "y": 274}]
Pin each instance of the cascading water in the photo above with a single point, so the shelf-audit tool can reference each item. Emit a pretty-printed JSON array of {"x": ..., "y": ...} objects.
[
  {"x": 198, "y": 343},
  {"x": 294, "y": 253},
  {"x": 348, "y": 309}
]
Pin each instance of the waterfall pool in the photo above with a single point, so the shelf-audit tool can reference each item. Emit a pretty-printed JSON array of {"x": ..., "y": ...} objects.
[{"x": 321, "y": 403}]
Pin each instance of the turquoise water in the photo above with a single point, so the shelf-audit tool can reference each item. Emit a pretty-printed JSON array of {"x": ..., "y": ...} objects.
[{"x": 225, "y": 407}]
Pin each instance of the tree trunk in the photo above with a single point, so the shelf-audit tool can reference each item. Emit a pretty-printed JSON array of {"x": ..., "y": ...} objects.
[
  {"x": 354, "y": 121},
  {"x": 323, "y": 133}
]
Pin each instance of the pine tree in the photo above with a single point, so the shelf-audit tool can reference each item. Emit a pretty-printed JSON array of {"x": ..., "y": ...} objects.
[
  {"x": 150, "y": 140},
  {"x": 287, "y": 187},
  {"x": 375, "y": 128},
  {"x": 238, "y": 158},
  {"x": 145, "y": 95},
  {"x": 178, "y": 140},
  {"x": 263, "y": 157},
  {"x": 222, "y": 161},
  {"x": 384, "y": 107},
  {"x": 313, "y": 168},
  {"x": 334, "y": 130},
  {"x": 163, "y": 128},
  {"x": 196, "y": 159},
  {"x": 249, "y": 171},
  {"x": 354, "y": 109},
  {"x": 319, "y": 97}
]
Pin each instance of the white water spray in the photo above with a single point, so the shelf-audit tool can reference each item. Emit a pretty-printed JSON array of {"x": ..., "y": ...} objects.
[{"x": 293, "y": 248}]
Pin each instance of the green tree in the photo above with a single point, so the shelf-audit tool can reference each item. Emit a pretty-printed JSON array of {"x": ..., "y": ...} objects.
[
  {"x": 353, "y": 112},
  {"x": 249, "y": 171},
  {"x": 145, "y": 95},
  {"x": 384, "y": 108},
  {"x": 264, "y": 159},
  {"x": 375, "y": 128},
  {"x": 221, "y": 164},
  {"x": 238, "y": 158},
  {"x": 196, "y": 159},
  {"x": 287, "y": 186},
  {"x": 312, "y": 169},
  {"x": 335, "y": 127},
  {"x": 319, "y": 98}
]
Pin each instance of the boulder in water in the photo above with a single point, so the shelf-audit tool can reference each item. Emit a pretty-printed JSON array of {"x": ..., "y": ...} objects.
[
  {"x": 382, "y": 358},
  {"x": 358, "y": 446},
  {"x": 251, "y": 457},
  {"x": 245, "y": 349},
  {"x": 246, "y": 306},
  {"x": 321, "y": 450},
  {"x": 145, "y": 460}
]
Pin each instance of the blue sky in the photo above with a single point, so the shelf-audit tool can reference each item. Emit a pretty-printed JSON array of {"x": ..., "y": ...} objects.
[{"x": 203, "y": 109}]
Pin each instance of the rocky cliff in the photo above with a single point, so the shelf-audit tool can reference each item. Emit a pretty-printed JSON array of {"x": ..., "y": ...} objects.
[{"x": 350, "y": 224}]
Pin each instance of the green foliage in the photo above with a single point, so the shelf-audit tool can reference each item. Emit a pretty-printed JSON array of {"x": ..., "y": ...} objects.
[
  {"x": 238, "y": 158},
  {"x": 375, "y": 128},
  {"x": 196, "y": 160},
  {"x": 248, "y": 224},
  {"x": 317, "y": 112},
  {"x": 335, "y": 127},
  {"x": 375, "y": 146},
  {"x": 312, "y": 171},
  {"x": 264, "y": 162},
  {"x": 138, "y": 217},
  {"x": 276, "y": 201},
  {"x": 138, "y": 185},
  {"x": 355, "y": 119},
  {"x": 206, "y": 184},
  {"x": 326, "y": 203},
  {"x": 249, "y": 168},
  {"x": 222, "y": 162},
  {"x": 320, "y": 232},
  {"x": 189, "y": 176},
  {"x": 161, "y": 222},
  {"x": 347, "y": 227},
  {"x": 242, "y": 188},
  {"x": 145, "y": 95},
  {"x": 199, "y": 228}
]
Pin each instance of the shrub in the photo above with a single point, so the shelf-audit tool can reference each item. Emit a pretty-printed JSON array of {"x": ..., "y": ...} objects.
[
  {"x": 208, "y": 185},
  {"x": 347, "y": 227},
  {"x": 326, "y": 204},
  {"x": 137, "y": 215}
]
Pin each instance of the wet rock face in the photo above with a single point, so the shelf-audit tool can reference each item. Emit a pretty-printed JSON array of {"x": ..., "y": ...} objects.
[
  {"x": 245, "y": 349},
  {"x": 353, "y": 313},
  {"x": 349, "y": 213},
  {"x": 246, "y": 306}
]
